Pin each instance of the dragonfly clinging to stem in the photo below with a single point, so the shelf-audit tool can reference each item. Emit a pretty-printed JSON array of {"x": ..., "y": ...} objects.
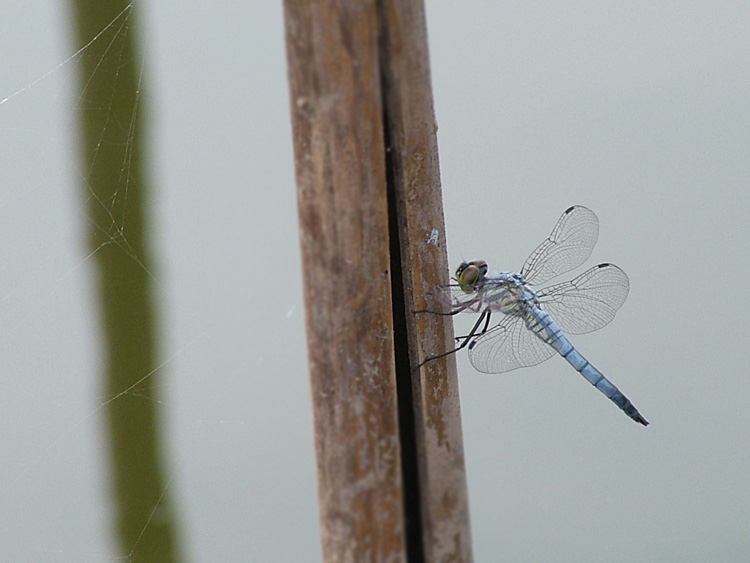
[{"x": 527, "y": 335}]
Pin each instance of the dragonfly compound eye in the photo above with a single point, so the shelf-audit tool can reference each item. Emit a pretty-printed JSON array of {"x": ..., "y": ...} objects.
[{"x": 467, "y": 277}]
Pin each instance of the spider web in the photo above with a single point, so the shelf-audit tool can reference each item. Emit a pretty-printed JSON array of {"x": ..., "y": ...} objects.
[{"x": 54, "y": 481}]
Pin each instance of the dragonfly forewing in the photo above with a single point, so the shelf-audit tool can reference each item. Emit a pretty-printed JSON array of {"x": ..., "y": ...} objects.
[
  {"x": 567, "y": 247},
  {"x": 454, "y": 297}
]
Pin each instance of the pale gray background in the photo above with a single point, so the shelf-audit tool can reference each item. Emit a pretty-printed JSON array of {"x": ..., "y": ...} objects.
[{"x": 641, "y": 113}]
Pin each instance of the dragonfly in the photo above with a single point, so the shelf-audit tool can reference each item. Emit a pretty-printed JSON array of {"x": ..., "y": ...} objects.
[{"x": 533, "y": 322}]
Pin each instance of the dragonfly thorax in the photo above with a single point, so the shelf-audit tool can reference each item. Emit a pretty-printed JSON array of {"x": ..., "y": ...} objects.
[{"x": 508, "y": 293}]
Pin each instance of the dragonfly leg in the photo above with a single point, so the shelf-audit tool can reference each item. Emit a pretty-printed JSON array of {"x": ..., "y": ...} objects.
[
  {"x": 484, "y": 317},
  {"x": 441, "y": 313},
  {"x": 484, "y": 329}
]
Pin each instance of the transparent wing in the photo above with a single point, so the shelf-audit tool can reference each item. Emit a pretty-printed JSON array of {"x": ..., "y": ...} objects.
[
  {"x": 453, "y": 296},
  {"x": 508, "y": 346},
  {"x": 588, "y": 302},
  {"x": 568, "y": 246}
]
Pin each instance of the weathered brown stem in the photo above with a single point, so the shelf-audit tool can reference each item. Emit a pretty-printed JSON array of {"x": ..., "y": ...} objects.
[{"x": 388, "y": 440}]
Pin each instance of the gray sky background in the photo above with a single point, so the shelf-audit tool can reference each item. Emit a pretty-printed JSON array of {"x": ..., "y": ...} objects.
[{"x": 639, "y": 112}]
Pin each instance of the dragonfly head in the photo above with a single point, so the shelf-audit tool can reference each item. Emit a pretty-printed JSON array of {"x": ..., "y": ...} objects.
[{"x": 470, "y": 274}]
